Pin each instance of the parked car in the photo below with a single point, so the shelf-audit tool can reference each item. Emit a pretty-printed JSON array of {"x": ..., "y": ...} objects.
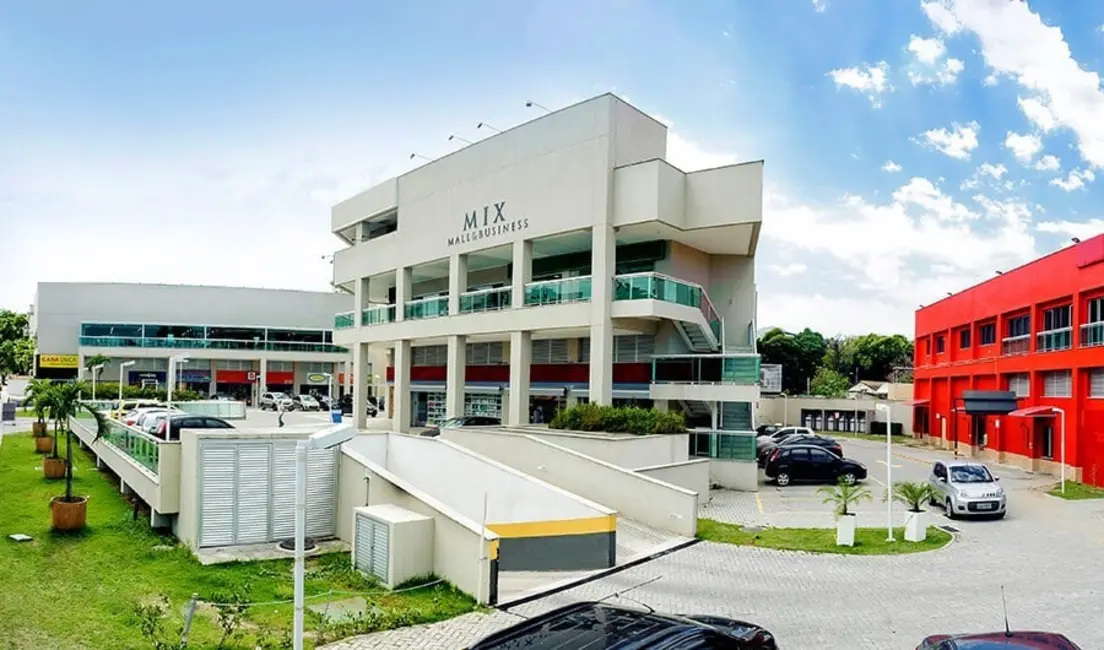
[
  {"x": 346, "y": 404},
  {"x": 306, "y": 403},
  {"x": 180, "y": 421},
  {"x": 601, "y": 626},
  {"x": 967, "y": 488},
  {"x": 272, "y": 401},
  {"x": 766, "y": 429},
  {"x": 831, "y": 444},
  {"x": 223, "y": 397},
  {"x": 132, "y": 417},
  {"x": 765, "y": 443},
  {"x": 999, "y": 641},
  {"x": 126, "y": 406},
  {"x": 789, "y": 463},
  {"x": 463, "y": 421}
]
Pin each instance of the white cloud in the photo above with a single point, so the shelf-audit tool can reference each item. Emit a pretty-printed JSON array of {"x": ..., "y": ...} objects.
[
  {"x": 688, "y": 155},
  {"x": 996, "y": 171},
  {"x": 1048, "y": 163},
  {"x": 1076, "y": 180},
  {"x": 891, "y": 167},
  {"x": 1080, "y": 229},
  {"x": 1023, "y": 146},
  {"x": 787, "y": 270},
  {"x": 990, "y": 80},
  {"x": 957, "y": 142},
  {"x": 870, "y": 79},
  {"x": 1016, "y": 42},
  {"x": 820, "y": 6},
  {"x": 932, "y": 66},
  {"x": 1037, "y": 111}
]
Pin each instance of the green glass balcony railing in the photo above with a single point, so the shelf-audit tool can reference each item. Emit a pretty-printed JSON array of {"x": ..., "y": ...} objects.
[
  {"x": 431, "y": 307},
  {"x": 378, "y": 315},
  {"x": 727, "y": 368},
  {"x": 656, "y": 286},
  {"x": 344, "y": 321},
  {"x": 723, "y": 445},
  {"x": 1054, "y": 340},
  {"x": 143, "y": 448},
  {"x": 555, "y": 292},
  {"x": 208, "y": 344},
  {"x": 485, "y": 300},
  {"x": 1092, "y": 334}
]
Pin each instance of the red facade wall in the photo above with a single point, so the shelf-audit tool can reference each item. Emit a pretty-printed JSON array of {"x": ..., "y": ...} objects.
[{"x": 1072, "y": 276}]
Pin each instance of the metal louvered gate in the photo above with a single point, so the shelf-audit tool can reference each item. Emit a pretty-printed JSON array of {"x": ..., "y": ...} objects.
[
  {"x": 247, "y": 492},
  {"x": 372, "y": 538}
]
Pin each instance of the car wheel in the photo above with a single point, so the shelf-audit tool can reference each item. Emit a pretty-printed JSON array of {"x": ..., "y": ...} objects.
[
  {"x": 949, "y": 507},
  {"x": 783, "y": 479},
  {"x": 848, "y": 478},
  {"x": 932, "y": 501}
]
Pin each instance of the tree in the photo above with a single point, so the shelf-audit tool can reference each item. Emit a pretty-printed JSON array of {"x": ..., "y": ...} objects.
[
  {"x": 96, "y": 360},
  {"x": 828, "y": 382},
  {"x": 13, "y": 325},
  {"x": 845, "y": 496},
  {"x": 67, "y": 404},
  {"x": 799, "y": 354}
]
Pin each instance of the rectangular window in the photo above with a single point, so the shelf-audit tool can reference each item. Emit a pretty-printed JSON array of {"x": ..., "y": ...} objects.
[
  {"x": 1096, "y": 310},
  {"x": 633, "y": 348},
  {"x": 988, "y": 334},
  {"x": 429, "y": 355},
  {"x": 927, "y": 346},
  {"x": 316, "y": 366},
  {"x": 940, "y": 344},
  {"x": 1096, "y": 382},
  {"x": 234, "y": 364},
  {"x": 1057, "y": 318},
  {"x": 548, "y": 351},
  {"x": 1019, "y": 326},
  {"x": 964, "y": 339},
  {"x": 1020, "y": 384},
  {"x": 1057, "y": 384},
  {"x": 584, "y": 350},
  {"x": 484, "y": 354}
]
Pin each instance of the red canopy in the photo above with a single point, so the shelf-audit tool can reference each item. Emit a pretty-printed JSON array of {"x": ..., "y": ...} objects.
[{"x": 1033, "y": 412}]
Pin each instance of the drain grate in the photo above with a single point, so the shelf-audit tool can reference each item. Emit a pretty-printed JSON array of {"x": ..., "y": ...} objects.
[
  {"x": 289, "y": 545},
  {"x": 949, "y": 529}
]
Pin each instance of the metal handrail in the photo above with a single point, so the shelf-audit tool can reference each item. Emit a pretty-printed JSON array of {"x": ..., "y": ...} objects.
[
  {"x": 544, "y": 282},
  {"x": 706, "y": 307},
  {"x": 426, "y": 299},
  {"x": 489, "y": 290}
]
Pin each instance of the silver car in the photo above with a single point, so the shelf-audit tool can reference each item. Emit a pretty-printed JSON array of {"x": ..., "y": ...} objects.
[{"x": 967, "y": 489}]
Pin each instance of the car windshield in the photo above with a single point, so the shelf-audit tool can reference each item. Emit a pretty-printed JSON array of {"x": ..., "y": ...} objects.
[
  {"x": 451, "y": 423},
  {"x": 971, "y": 474}
]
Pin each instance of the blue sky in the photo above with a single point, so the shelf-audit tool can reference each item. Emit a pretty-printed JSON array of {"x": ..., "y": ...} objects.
[{"x": 227, "y": 132}]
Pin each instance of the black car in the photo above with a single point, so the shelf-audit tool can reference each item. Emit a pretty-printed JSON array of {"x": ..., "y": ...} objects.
[
  {"x": 790, "y": 463},
  {"x": 831, "y": 444},
  {"x": 463, "y": 421},
  {"x": 999, "y": 641},
  {"x": 187, "y": 421},
  {"x": 600, "y": 626},
  {"x": 766, "y": 429}
]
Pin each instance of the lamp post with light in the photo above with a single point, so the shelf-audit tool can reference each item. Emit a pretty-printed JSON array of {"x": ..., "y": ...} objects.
[
  {"x": 123, "y": 366},
  {"x": 95, "y": 371},
  {"x": 889, "y": 469}
]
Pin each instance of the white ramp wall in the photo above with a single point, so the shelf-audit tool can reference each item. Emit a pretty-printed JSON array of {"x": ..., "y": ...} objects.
[
  {"x": 624, "y": 450},
  {"x": 647, "y": 500},
  {"x": 692, "y": 475}
]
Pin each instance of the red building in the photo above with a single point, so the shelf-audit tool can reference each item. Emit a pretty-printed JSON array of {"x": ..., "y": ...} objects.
[{"x": 1037, "y": 330}]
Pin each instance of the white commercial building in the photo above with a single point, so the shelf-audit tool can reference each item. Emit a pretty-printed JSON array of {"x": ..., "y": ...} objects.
[
  {"x": 239, "y": 341},
  {"x": 559, "y": 261}
]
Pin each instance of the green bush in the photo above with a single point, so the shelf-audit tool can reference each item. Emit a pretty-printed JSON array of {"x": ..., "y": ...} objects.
[
  {"x": 110, "y": 390},
  {"x": 618, "y": 419}
]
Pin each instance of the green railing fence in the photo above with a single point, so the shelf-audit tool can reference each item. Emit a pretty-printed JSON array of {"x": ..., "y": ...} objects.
[{"x": 723, "y": 445}]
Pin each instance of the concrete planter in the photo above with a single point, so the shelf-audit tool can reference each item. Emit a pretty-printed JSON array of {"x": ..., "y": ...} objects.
[
  {"x": 916, "y": 526},
  {"x": 845, "y": 530},
  {"x": 68, "y": 516},
  {"x": 53, "y": 468},
  {"x": 44, "y": 444},
  {"x": 38, "y": 428}
]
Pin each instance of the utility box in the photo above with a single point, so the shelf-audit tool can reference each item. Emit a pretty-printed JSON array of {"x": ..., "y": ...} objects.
[{"x": 391, "y": 543}]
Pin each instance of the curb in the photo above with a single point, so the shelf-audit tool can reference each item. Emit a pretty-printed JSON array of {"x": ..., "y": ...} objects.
[{"x": 571, "y": 584}]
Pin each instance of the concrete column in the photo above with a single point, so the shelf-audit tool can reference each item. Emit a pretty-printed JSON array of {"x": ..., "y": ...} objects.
[
  {"x": 402, "y": 291},
  {"x": 661, "y": 405},
  {"x": 458, "y": 282},
  {"x": 521, "y": 349},
  {"x": 262, "y": 381},
  {"x": 360, "y": 387},
  {"x": 80, "y": 367},
  {"x": 400, "y": 420},
  {"x": 602, "y": 257},
  {"x": 455, "y": 376},
  {"x": 522, "y": 272}
]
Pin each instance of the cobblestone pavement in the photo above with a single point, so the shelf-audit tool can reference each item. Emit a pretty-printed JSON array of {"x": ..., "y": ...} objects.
[{"x": 1048, "y": 555}]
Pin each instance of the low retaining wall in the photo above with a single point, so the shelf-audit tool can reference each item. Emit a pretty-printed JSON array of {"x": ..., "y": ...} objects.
[
  {"x": 735, "y": 474},
  {"x": 622, "y": 449},
  {"x": 692, "y": 475}
]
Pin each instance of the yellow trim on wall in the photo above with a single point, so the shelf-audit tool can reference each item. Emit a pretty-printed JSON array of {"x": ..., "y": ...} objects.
[
  {"x": 494, "y": 549},
  {"x": 553, "y": 528}
]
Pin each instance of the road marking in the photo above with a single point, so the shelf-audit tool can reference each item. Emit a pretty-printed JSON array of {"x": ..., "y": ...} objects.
[
  {"x": 883, "y": 462},
  {"x": 876, "y": 481},
  {"x": 758, "y": 503},
  {"x": 921, "y": 461}
]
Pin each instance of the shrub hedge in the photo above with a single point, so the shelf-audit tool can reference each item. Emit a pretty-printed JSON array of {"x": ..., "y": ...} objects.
[
  {"x": 618, "y": 419},
  {"x": 110, "y": 390}
]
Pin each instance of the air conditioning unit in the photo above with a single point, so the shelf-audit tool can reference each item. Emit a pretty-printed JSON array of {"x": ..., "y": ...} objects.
[{"x": 392, "y": 544}]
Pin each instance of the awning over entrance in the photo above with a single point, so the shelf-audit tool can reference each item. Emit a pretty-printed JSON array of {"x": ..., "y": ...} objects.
[
  {"x": 917, "y": 402},
  {"x": 1034, "y": 412}
]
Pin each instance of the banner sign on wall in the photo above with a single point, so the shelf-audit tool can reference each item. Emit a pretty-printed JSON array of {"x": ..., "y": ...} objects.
[
  {"x": 770, "y": 378},
  {"x": 196, "y": 376},
  {"x": 490, "y": 221},
  {"x": 58, "y": 361},
  {"x": 317, "y": 378},
  {"x": 136, "y": 377}
]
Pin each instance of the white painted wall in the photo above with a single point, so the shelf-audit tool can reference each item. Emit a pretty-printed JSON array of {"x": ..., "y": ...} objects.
[
  {"x": 776, "y": 409},
  {"x": 692, "y": 475},
  {"x": 647, "y": 500},
  {"x": 625, "y": 451},
  {"x": 732, "y": 289},
  {"x": 734, "y": 475}
]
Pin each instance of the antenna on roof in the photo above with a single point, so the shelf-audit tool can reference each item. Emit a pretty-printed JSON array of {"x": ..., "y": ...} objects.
[
  {"x": 621, "y": 594},
  {"x": 1004, "y": 605}
]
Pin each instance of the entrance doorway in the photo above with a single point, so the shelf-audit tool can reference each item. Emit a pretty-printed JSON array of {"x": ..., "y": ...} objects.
[{"x": 978, "y": 433}]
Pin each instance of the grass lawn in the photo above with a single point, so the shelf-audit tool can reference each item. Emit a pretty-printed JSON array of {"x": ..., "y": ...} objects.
[
  {"x": 868, "y": 541},
  {"x": 80, "y": 591},
  {"x": 1076, "y": 491}
]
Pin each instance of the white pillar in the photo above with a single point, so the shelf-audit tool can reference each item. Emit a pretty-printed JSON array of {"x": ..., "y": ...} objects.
[
  {"x": 458, "y": 282},
  {"x": 521, "y": 350},
  {"x": 400, "y": 419},
  {"x": 602, "y": 256},
  {"x": 345, "y": 379},
  {"x": 402, "y": 291},
  {"x": 262, "y": 380},
  {"x": 360, "y": 387},
  {"x": 80, "y": 367},
  {"x": 522, "y": 272},
  {"x": 455, "y": 376},
  {"x": 661, "y": 405}
]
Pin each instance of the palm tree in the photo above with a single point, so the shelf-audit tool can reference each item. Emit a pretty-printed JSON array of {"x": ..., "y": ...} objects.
[
  {"x": 68, "y": 404},
  {"x": 37, "y": 397},
  {"x": 845, "y": 496},
  {"x": 912, "y": 494}
]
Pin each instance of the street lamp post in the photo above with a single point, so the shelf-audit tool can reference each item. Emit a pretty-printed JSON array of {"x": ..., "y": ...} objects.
[
  {"x": 173, "y": 360},
  {"x": 1062, "y": 420},
  {"x": 324, "y": 439},
  {"x": 329, "y": 387},
  {"x": 889, "y": 470},
  {"x": 95, "y": 370},
  {"x": 122, "y": 366}
]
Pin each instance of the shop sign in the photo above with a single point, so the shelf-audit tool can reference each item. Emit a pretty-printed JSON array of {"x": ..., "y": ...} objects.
[
  {"x": 491, "y": 221},
  {"x": 317, "y": 378},
  {"x": 195, "y": 376},
  {"x": 58, "y": 361},
  {"x": 140, "y": 376},
  {"x": 252, "y": 376}
]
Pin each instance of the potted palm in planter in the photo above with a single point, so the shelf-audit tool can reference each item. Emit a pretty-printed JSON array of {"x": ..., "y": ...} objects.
[
  {"x": 69, "y": 513},
  {"x": 38, "y": 398},
  {"x": 844, "y": 496},
  {"x": 913, "y": 495}
]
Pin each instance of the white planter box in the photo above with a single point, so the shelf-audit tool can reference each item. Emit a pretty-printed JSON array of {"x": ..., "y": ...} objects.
[
  {"x": 845, "y": 530},
  {"x": 916, "y": 526}
]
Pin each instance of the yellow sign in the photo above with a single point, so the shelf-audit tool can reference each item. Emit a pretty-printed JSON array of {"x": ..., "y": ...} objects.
[
  {"x": 316, "y": 378},
  {"x": 58, "y": 361}
]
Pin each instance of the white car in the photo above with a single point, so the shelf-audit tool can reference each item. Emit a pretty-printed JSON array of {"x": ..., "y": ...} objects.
[
  {"x": 274, "y": 401},
  {"x": 967, "y": 489}
]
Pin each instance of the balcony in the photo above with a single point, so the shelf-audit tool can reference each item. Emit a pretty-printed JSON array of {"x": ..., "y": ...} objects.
[
  {"x": 483, "y": 300},
  {"x": 344, "y": 321},
  {"x": 1092, "y": 334},
  {"x": 1016, "y": 344},
  {"x": 656, "y": 286},
  {"x": 556, "y": 292},
  {"x": 377, "y": 315},
  {"x": 208, "y": 344},
  {"x": 431, "y": 307},
  {"x": 1054, "y": 340},
  {"x": 742, "y": 369},
  {"x": 142, "y": 448}
]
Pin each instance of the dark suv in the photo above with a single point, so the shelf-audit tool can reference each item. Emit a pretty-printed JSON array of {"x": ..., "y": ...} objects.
[
  {"x": 790, "y": 463},
  {"x": 599, "y": 626}
]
